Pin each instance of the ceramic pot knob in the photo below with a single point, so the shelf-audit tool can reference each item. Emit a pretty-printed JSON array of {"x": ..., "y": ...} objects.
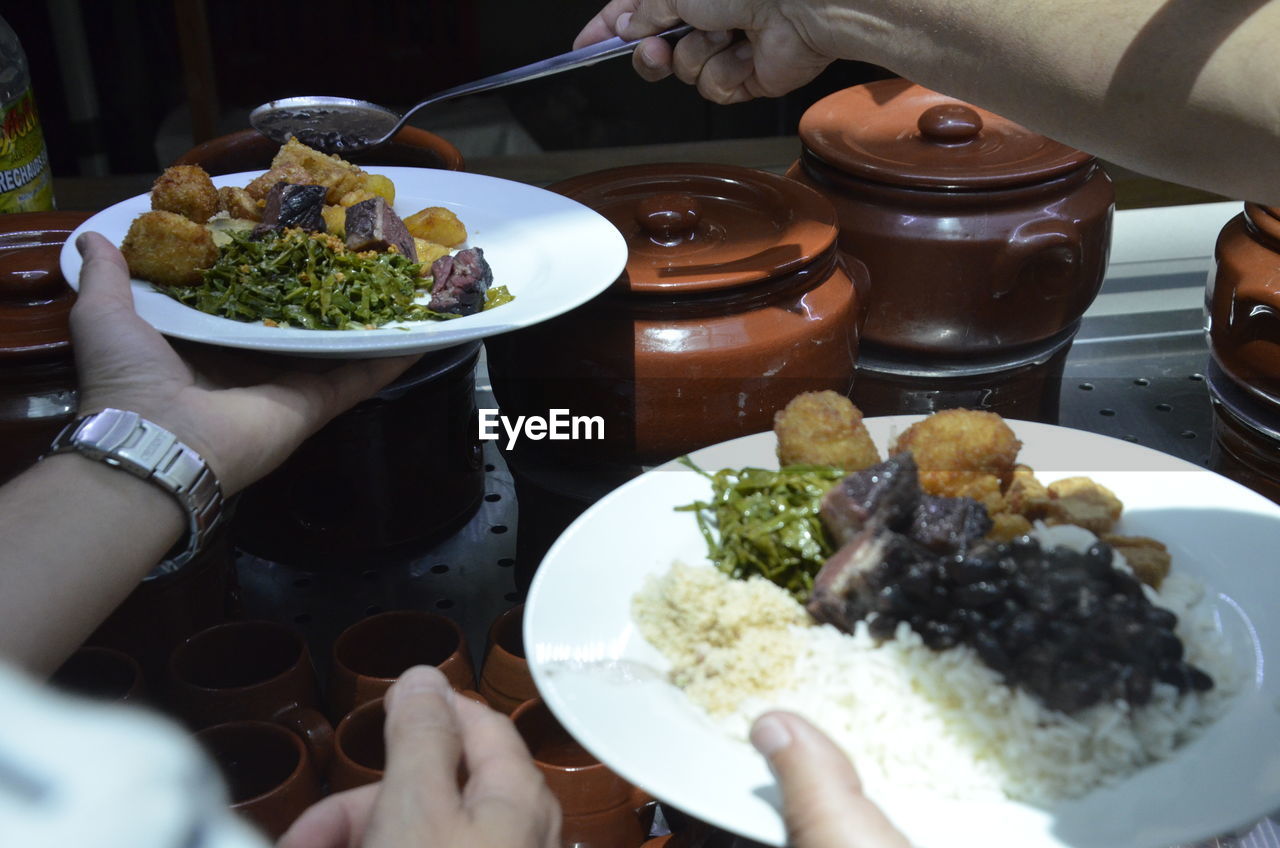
[
  {"x": 950, "y": 123},
  {"x": 669, "y": 217}
]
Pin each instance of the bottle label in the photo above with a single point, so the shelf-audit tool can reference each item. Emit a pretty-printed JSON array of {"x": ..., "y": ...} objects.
[{"x": 26, "y": 184}]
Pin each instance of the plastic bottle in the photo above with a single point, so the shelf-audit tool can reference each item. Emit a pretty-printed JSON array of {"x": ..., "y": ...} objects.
[{"x": 26, "y": 184}]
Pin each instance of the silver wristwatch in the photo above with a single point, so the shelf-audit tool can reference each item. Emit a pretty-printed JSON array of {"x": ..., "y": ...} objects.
[{"x": 130, "y": 442}]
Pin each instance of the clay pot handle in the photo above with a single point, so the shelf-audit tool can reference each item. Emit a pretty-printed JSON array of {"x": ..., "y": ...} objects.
[
  {"x": 950, "y": 123},
  {"x": 1052, "y": 242},
  {"x": 669, "y": 218},
  {"x": 315, "y": 730}
]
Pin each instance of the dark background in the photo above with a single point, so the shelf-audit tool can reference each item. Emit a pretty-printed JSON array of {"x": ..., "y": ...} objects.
[{"x": 391, "y": 52}]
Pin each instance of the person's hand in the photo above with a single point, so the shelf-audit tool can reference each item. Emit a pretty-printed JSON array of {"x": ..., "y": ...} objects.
[
  {"x": 740, "y": 49},
  {"x": 822, "y": 800},
  {"x": 433, "y": 735},
  {"x": 244, "y": 413}
]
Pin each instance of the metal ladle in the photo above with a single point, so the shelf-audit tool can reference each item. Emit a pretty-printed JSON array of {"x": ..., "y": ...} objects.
[{"x": 345, "y": 125}]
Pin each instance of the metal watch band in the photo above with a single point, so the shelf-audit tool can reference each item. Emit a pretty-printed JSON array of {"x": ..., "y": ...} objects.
[{"x": 131, "y": 443}]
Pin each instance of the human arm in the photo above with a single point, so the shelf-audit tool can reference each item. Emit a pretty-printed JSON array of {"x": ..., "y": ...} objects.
[
  {"x": 77, "y": 535},
  {"x": 1185, "y": 92},
  {"x": 430, "y": 731},
  {"x": 822, "y": 800}
]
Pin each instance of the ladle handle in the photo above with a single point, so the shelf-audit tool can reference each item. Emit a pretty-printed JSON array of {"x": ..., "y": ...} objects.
[{"x": 579, "y": 58}]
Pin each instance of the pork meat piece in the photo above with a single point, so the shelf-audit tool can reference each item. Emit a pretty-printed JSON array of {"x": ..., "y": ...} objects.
[
  {"x": 848, "y": 586},
  {"x": 888, "y": 491},
  {"x": 292, "y": 205},
  {"x": 948, "y": 525},
  {"x": 373, "y": 225},
  {"x": 461, "y": 281}
]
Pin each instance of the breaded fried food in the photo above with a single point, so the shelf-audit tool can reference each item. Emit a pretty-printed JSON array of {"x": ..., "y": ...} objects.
[
  {"x": 168, "y": 249},
  {"x": 1148, "y": 558},
  {"x": 962, "y": 440},
  {"x": 1027, "y": 496},
  {"x": 238, "y": 203},
  {"x": 336, "y": 174},
  {"x": 982, "y": 487},
  {"x": 1081, "y": 501},
  {"x": 1006, "y": 526},
  {"x": 291, "y": 173},
  {"x": 823, "y": 428},
  {"x": 187, "y": 191}
]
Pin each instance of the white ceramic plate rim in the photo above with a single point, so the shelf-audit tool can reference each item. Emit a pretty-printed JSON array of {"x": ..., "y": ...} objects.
[
  {"x": 553, "y": 253},
  {"x": 596, "y": 673}
]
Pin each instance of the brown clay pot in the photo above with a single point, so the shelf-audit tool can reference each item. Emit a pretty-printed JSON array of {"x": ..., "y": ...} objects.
[
  {"x": 979, "y": 235},
  {"x": 1244, "y": 302},
  {"x": 505, "y": 681},
  {"x": 249, "y": 150},
  {"x": 37, "y": 375},
  {"x": 1246, "y": 435},
  {"x": 733, "y": 301}
]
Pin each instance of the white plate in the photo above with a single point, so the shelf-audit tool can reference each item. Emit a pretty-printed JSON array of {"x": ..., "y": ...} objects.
[
  {"x": 553, "y": 254},
  {"x": 597, "y": 673}
]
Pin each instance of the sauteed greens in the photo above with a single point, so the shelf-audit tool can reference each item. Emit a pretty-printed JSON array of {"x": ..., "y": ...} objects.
[
  {"x": 311, "y": 280},
  {"x": 766, "y": 522}
]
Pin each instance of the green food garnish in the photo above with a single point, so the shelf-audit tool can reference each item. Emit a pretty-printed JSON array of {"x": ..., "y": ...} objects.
[
  {"x": 308, "y": 280},
  {"x": 496, "y": 296},
  {"x": 766, "y": 522}
]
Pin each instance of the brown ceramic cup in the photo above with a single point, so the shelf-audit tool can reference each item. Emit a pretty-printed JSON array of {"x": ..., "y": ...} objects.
[
  {"x": 257, "y": 670},
  {"x": 267, "y": 770},
  {"x": 369, "y": 655},
  {"x": 359, "y": 751},
  {"x": 505, "y": 681},
  {"x": 601, "y": 810},
  {"x": 101, "y": 673}
]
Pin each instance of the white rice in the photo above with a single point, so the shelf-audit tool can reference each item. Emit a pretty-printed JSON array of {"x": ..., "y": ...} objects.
[{"x": 943, "y": 721}]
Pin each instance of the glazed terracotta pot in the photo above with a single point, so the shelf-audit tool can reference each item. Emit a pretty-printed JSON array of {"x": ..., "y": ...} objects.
[
  {"x": 401, "y": 469},
  {"x": 37, "y": 374},
  {"x": 733, "y": 300},
  {"x": 267, "y": 771},
  {"x": 505, "y": 681},
  {"x": 1244, "y": 302},
  {"x": 249, "y": 150},
  {"x": 369, "y": 655},
  {"x": 1246, "y": 435},
  {"x": 979, "y": 236}
]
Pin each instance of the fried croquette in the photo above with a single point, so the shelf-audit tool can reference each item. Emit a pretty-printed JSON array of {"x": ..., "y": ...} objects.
[
  {"x": 982, "y": 487},
  {"x": 238, "y": 203},
  {"x": 962, "y": 440},
  {"x": 187, "y": 191},
  {"x": 823, "y": 428},
  {"x": 1148, "y": 558},
  {"x": 167, "y": 249},
  {"x": 1081, "y": 501}
]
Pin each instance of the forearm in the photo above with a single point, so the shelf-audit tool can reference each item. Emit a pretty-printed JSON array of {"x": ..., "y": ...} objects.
[
  {"x": 76, "y": 537},
  {"x": 1186, "y": 92}
]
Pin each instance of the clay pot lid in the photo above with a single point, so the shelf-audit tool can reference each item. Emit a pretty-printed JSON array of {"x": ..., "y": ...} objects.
[
  {"x": 1265, "y": 219},
  {"x": 695, "y": 227},
  {"x": 896, "y": 132},
  {"x": 35, "y": 299}
]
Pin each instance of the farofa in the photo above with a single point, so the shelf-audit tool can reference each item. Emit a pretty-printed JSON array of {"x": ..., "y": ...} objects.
[{"x": 722, "y": 653}]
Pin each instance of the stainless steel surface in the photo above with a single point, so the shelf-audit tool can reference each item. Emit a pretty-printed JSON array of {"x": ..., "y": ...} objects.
[{"x": 341, "y": 120}]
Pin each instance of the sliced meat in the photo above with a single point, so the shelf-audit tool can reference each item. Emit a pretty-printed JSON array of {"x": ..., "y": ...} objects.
[
  {"x": 461, "y": 281},
  {"x": 292, "y": 205},
  {"x": 889, "y": 491},
  {"x": 373, "y": 225},
  {"x": 948, "y": 525},
  {"x": 850, "y": 584}
]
